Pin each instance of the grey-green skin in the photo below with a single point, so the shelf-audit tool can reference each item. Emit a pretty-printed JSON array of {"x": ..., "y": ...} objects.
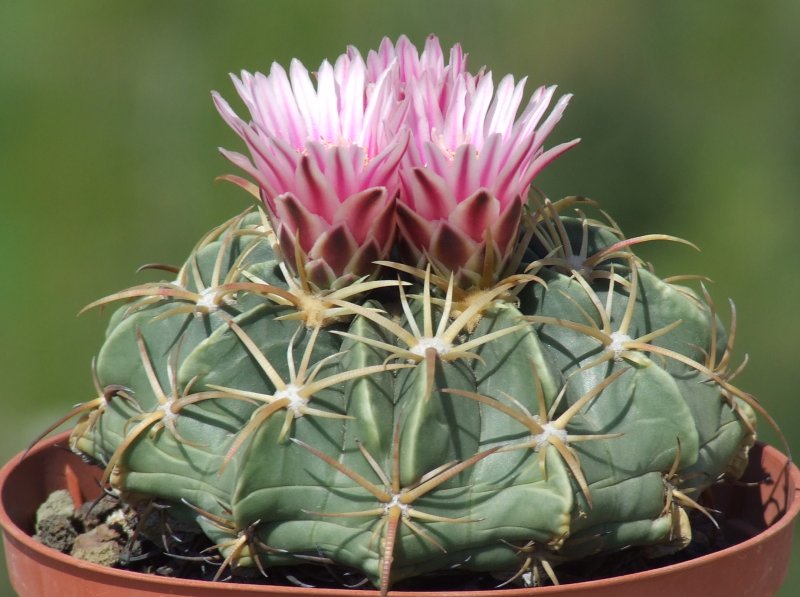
[{"x": 280, "y": 499}]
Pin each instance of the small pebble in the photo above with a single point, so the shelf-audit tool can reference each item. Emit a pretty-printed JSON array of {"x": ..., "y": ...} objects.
[
  {"x": 100, "y": 545},
  {"x": 54, "y": 521}
]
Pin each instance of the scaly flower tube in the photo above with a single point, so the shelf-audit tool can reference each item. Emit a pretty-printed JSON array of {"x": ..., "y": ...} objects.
[{"x": 325, "y": 161}]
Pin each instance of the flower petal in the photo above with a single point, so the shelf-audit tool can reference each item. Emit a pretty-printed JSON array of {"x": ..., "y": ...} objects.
[
  {"x": 475, "y": 117},
  {"x": 227, "y": 113},
  {"x": 415, "y": 230},
  {"x": 315, "y": 190},
  {"x": 335, "y": 247},
  {"x": 295, "y": 219},
  {"x": 305, "y": 96},
  {"x": 320, "y": 273},
  {"x": 432, "y": 199},
  {"x": 245, "y": 164},
  {"x": 329, "y": 125},
  {"x": 450, "y": 248},
  {"x": 475, "y": 214},
  {"x": 503, "y": 110},
  {"x": 506, "y": 228},
  {"x": 363, "y": 260},
  {"x": 382, "y": 169},
  {"x": 432, "y": 58},
  {"x": 548, "y": 156},
  {"x": 350, "y": 77},
  {"x": 340, "y": 171},
  {"x": 463, "y": 177},
  {"x": 362, "y": 210}
]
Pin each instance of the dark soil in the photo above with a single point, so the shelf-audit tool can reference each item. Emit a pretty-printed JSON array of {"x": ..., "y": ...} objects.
[{"x": 110, "y": 533}]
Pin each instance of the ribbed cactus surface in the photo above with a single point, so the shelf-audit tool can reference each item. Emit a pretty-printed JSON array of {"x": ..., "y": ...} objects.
[{"x": 404, "y": 426}]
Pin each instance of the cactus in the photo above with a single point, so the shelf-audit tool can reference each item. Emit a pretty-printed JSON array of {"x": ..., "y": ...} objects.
[{"x": 347, "y": 378}]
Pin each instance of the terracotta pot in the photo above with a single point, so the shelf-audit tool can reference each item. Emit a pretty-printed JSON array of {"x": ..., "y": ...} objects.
[{"x": 765, "y": 511}]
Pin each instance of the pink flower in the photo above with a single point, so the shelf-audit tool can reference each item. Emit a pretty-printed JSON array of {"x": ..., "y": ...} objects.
[
  {"x": 325, "y": 160},
  {"x": 401, "y": 147},
  {"x": 471, "y": 161}
]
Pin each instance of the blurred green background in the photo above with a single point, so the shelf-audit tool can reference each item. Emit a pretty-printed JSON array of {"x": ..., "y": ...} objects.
[{"x": 688, "y": 113}]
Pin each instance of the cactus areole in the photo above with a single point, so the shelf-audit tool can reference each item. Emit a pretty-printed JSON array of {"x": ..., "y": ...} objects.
[{"x": 406, "y": 359}]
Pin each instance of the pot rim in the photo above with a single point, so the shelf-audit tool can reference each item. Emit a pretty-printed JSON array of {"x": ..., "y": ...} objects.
[{"x": 10, "y": 528}]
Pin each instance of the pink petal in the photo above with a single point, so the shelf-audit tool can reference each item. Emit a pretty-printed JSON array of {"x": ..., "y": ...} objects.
[
  {"x": 379, "y": 61},
  {"x": 458, "y": 60},
  {"x": 380, "y": 103},
  {"x": 291, "y": 125},
  {"x": 548, "y": 156},
  {"x": 314, "y": 190},
  {"x": 266, "y": 114},
  {"x": 242, "y": 162},
  {"x": 414, "y": 229},
  {"x": 384, "y": 226},
  {"x": 506, "y": 229},
  {"x": 504, "y": 108},
  {"x": 350, "y": 76},
  {"x": 475, "y": 214},
  {"x": 437, "y": 159},
  {"x": 408, "y": 59},
  {"x": 295, "y": 219},
  {"x": 476, "y": 113},
  {"x": 454, "y": 126},
  {"x": 427, "y": 192},
  {"x": 339, "y": 169},
  {"x": 329, "y": 126},
  {"x": 537, "y": 106},
  {"x": 318, "y": 153},
  {"x": 286, "y": 240},
  {"x": 274, "y": 158},
  {"x": 463, "y": 176},
  {"x": 382, "y": 169},
  {"x": 305, "y": 97},
  {"x": 450, "y": 247},
  {"x": 353, "y": 53},
  {"x": 227, "y": 113},
  {"x": 361, "y": 211},
  {"x": 504, "y": 186},
  {"x": 320, "y": 273},
  {"x": 363, "y": 260},
  {"x": 336, "y": 247},
  {"x": 243, "y": 87},
  {"x": 425, "y": 115},
  {"x": 432, "y": 59},
  {"x": 489, "y": 160},
  {"x": 554, "y": 117}
]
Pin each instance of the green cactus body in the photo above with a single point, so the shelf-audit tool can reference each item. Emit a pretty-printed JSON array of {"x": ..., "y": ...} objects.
[{"x": 400, "y": 437}]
